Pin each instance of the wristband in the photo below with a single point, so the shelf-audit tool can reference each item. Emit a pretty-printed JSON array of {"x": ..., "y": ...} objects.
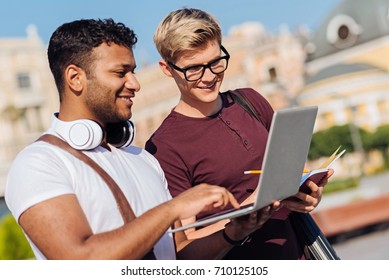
[{"x": 235, "y": 242}]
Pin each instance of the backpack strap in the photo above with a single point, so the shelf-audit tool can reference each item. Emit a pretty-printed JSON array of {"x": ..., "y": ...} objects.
[
  {"x": 242, "y": 100},
  {"x": 122, "y": 203}
]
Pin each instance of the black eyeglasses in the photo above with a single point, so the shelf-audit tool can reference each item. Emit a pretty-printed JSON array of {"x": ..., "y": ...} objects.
[{"x": 196, "y": 72}]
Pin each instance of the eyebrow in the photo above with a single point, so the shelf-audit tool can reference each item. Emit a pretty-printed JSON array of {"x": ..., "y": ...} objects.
[
  {"x": 124, "y": 66},
  {"x": 198, "y": 64}
]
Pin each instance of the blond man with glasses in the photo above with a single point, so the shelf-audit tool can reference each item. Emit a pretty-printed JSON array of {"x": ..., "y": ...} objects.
[{"x": 208, "y": 137}]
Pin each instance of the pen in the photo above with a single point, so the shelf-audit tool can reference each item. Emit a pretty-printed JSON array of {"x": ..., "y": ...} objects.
[{"x": 260, "y": 171}]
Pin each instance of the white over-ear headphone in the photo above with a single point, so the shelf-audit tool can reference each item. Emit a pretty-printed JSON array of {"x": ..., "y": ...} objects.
[
  {"x": 120, "y": 134},
  {"x": 86, "y": 134}
]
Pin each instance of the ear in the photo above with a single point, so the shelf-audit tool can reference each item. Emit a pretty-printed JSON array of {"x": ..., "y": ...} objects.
[
  {"x": 74, "y": 77},
  {"x": 166, "y": 69}
]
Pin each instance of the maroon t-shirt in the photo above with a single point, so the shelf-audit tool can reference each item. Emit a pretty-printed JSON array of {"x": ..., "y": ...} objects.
[{"x": 217, "y": 150}]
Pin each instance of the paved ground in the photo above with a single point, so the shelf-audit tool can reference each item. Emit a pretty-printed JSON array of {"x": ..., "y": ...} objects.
[
  {"x": 369, "y": 187},
  {"x": 368, "y": 246},
  {"x": 351, "y": 210}
]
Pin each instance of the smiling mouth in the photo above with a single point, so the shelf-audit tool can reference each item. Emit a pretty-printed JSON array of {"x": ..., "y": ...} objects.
[
  {"x": 208, "y": 87},
  {"x": 127, "y": 99}
]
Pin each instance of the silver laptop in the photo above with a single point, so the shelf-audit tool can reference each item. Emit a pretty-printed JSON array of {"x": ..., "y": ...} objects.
[{"x": 283, "y": 164}]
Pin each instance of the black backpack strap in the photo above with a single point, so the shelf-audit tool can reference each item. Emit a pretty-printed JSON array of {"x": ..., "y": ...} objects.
[{"x": 242, "y": 101}]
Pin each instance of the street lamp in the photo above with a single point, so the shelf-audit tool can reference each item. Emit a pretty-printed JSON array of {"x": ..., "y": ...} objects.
[{"x": 356, "y": 136}]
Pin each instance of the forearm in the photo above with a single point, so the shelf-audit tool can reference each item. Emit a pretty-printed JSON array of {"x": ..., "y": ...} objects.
[
  {"x": 131, "y": 241},
  {"x": 211, "y": 247},
  {"x": 139, "y": 236},
  {"x": 236, "y": 232},
  {"x": 71, "y": 237}
]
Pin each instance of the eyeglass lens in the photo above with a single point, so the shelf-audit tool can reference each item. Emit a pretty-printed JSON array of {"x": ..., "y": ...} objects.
[{"x": 196, "y": 72}]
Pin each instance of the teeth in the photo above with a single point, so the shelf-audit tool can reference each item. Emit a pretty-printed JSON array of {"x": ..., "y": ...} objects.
[
  {"x": 126, "y": 98},
  {"x": 207, "y": 87}
]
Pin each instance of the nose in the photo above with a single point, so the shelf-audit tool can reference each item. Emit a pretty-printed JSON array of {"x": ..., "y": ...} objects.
[
  {"x": 132, "y": 82},
  {"x": 208, "y": 75}
]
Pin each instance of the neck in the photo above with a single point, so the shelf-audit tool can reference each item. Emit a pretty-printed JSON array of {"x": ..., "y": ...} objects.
[{"x": 199, "y": 109}]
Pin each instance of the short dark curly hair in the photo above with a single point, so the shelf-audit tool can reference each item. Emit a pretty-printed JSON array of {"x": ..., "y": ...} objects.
[{"x": 73, "y": 43}]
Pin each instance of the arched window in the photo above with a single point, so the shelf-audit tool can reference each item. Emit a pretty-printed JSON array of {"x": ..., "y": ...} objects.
[
  {"x": 272, "y": 74},
  {"x": 343, "y": 31}
]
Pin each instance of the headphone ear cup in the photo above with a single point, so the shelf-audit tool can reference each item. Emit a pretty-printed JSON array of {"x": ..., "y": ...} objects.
[
  {"x": 80, "y": 134},
  {"x": 120, "y": 134}
]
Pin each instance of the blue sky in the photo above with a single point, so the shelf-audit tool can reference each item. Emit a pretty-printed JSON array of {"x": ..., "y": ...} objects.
[{"x": 144, "y": 15}]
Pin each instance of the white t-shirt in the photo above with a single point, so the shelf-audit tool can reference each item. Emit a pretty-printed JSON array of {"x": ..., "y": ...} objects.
[{"x": 42, "y": 171}]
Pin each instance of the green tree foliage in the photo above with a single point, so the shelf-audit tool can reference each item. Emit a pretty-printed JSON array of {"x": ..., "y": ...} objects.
[
  {"x": 328, "y": 140},
  {"x": 13, "y": 243},
  {"x": 380, "y": 141}
]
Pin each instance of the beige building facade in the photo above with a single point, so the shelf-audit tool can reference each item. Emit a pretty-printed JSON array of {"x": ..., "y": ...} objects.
[
  {"x": 347, "y": 75},
  {"x": 27, "y": 95},
  {"x": 347, "y": 67}
]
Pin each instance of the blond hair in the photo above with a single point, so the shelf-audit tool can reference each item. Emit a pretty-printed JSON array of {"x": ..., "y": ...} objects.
[{"x": 184, "y": 30}]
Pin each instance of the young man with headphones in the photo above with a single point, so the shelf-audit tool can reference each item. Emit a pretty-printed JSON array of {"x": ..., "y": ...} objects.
[{"x": 65, "y": 208}]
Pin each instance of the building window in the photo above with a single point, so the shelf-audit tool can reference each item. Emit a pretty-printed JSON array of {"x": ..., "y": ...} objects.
[
  {"x": 24, "y": 81},
  {"x": 382, "y": 106},
  {"x": 343, "y": 31},
  {"x": 272, "y": 74}
]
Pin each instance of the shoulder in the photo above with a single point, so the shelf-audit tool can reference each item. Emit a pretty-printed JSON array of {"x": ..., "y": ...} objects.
[
  {"x": 174, "y": 126},
  {"x": 39, "y": 152},
  {"x": 168, "y": 125},
  {"x": 252, "y": 95},
  {"x": 260, "y": 103},
  {"x": 37, "y": 173},
  {"x": 140, "y": 153},
  {"x": 41, "y": 159},
  {"x": 140, "y": 157}
]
